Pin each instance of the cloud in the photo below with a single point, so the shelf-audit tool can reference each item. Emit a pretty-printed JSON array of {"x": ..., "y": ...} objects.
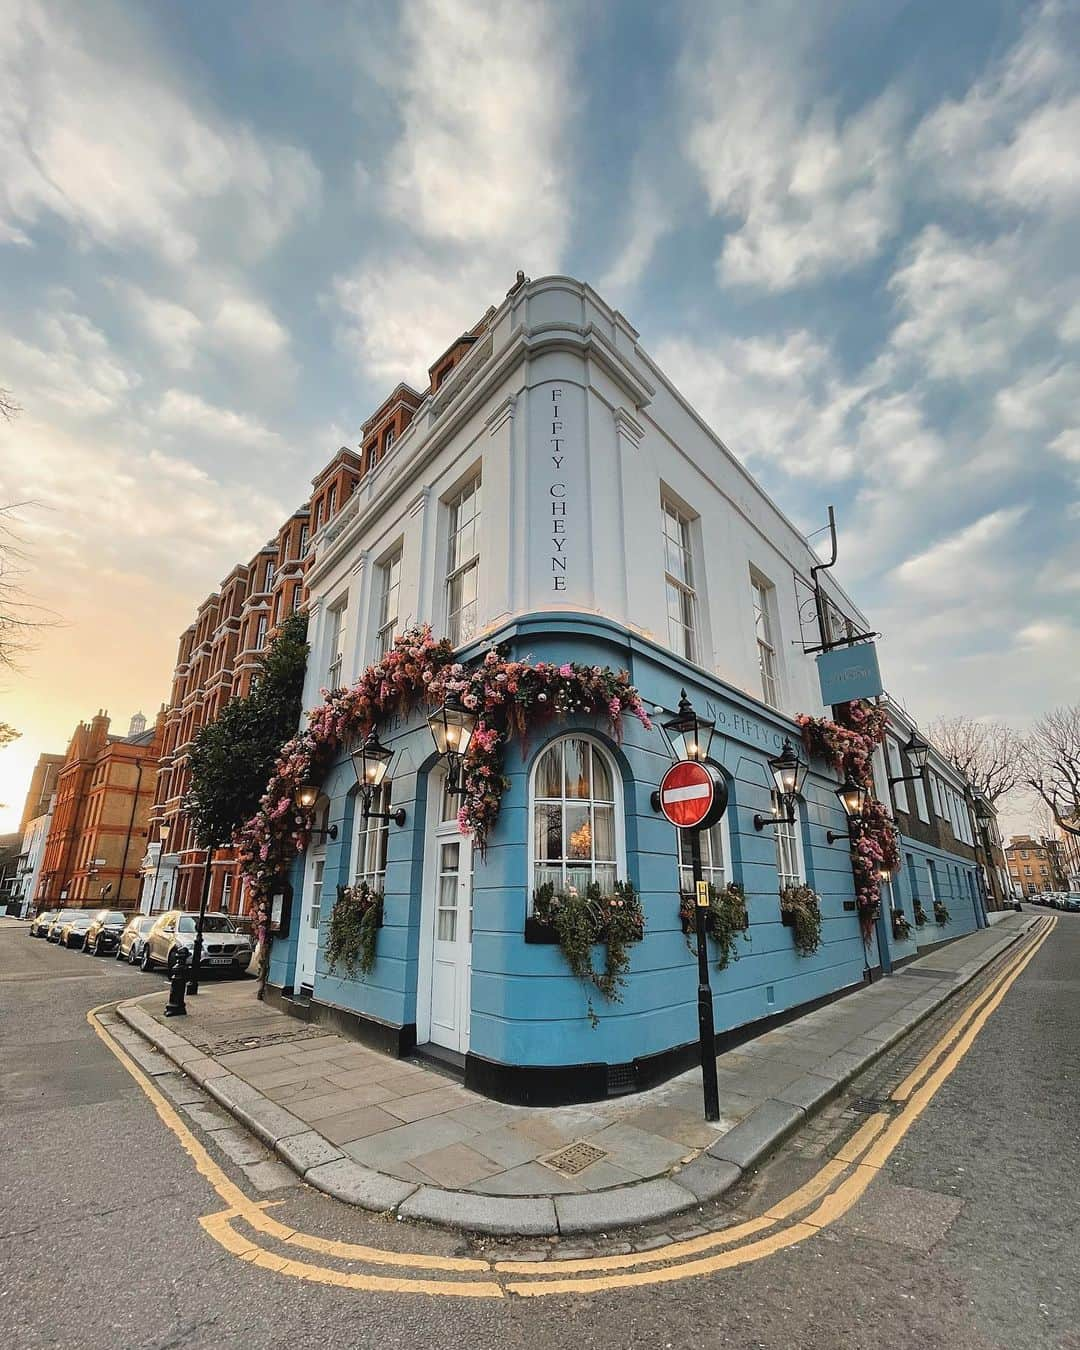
[
  {"x": 957, "y": 565},
  {"x": 94, "y": 132},
  {"x": 181, "y": 410},
  {"x": 477, "y": 182},
  {"x": 71, "y": 366},
  {"x": 174, "y": 328},
  {"x": 807, "y": 190}
]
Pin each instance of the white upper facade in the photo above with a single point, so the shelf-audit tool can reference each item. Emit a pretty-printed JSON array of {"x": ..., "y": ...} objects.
[{"x": 559, "y": 470}]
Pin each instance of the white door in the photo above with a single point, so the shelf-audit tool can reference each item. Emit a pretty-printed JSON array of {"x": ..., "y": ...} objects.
[
  {"x": 308, "y": 939},
  {"x": 449, "y": 911}
]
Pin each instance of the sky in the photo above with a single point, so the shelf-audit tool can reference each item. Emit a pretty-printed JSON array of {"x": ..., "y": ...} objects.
[{"x": 847, "y": 233}]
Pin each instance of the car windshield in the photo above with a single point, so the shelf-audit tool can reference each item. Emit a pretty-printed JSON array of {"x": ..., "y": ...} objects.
[
  {"x": 82, "y": 921},
  {"x": 212, "y": 923},
  {"x": 66, "y": 915},
  {"x": 144, "y": 924},
  {"x": 111, "y": 916}
]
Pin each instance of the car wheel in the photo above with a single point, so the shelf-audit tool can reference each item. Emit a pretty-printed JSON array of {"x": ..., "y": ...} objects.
[
  {"x": 134, "y": 955},
  {"x": 147, "y": 962}
]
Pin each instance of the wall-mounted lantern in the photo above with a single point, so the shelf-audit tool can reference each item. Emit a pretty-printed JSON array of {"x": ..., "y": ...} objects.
[
  {"x": 789, "y": 773},
  {"x": 305, "y": 797},
  {"x": 370, "y": 763},
  {"x": 452, "y": 728},
  {"x": 853, "y": 798},
  {"x": 918, "y": 752}
]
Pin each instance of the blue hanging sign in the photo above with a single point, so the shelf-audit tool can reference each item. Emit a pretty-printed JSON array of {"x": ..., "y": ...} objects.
[{"x": 849, "y": 672}]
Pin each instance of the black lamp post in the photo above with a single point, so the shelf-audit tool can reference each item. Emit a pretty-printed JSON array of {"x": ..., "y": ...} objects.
[
  {"x": 689, "y": 738},
  {"x": 370, "y": 763},
  {"x": 789, "y": 773},
  {"x": 451, "y": 728},
  {"x": 853, "y": 798}
]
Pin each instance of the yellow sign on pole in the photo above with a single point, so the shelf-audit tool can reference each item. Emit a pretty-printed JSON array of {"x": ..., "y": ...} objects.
[{"x": 703, "y": 894}]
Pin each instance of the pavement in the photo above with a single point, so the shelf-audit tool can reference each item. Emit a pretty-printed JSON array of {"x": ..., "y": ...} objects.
[{"x": 398, "y": 1137}]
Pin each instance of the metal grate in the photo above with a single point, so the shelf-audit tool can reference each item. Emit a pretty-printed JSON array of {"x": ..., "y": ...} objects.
[
  {"x": 574, "y": 1158},
  {"x": 621, "y": 1078}
]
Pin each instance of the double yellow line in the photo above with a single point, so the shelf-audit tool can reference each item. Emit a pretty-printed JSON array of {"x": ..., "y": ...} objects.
[{"x": 835, "y": 1188}]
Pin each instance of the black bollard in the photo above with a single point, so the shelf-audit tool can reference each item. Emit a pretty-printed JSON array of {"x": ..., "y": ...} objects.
[{"x": 176, "y": 1007}]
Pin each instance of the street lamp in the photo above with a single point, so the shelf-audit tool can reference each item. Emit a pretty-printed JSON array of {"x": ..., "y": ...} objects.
[
  {"x": 789, "y": 773},
  {"x": 305, "y": 797},
  {"x": 853, "y": 798},
  {"x": 688, "y": 736},
  {"x": 451, "y": 728},
  {"x": 370, "y": 763},
  {"x": 163, "y": 836},
  {"x": 918, "y": 752}
]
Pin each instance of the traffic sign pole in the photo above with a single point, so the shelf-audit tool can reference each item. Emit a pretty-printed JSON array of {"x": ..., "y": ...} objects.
[{"x": 706, "y": 1028}]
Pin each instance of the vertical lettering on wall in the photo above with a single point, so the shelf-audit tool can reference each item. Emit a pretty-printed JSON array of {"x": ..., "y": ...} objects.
[{"x": 558, "y": 494}]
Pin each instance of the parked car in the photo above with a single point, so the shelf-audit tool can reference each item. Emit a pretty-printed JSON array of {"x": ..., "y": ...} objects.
[
  {"x": 133, "y": 938},
  {"x": 39, "y": 925},
  {"x": 103, "y": 935},
  {"x": 223, "y": 946},
  {"x": 1071, "y": 902},
  {"x": 63, "y": 916},
  {"x": 73, "y": 933}
]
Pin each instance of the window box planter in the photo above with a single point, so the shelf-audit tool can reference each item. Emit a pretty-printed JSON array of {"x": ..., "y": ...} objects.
[
  {"x": 941, "y": 914},
  {"x": 901, "y": 927},
  {"x": 920, "y": 914},
  {"x": 800, "y": 910},
  {"x": 540, "y": 933}
]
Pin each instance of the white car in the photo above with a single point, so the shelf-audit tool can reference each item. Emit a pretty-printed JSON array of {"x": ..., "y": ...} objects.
[{"x": 224, "y": 947}]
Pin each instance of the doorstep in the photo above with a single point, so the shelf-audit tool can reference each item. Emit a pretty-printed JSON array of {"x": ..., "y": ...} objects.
[{"x": 400, "y": 1135}]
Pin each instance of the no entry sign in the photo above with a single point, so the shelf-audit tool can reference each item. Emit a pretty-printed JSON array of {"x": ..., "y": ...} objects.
[{"x": 693, "y": 796}]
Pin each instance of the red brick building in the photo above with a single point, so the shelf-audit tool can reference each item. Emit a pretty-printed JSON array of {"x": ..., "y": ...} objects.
[{"x": 104, "y": 792}]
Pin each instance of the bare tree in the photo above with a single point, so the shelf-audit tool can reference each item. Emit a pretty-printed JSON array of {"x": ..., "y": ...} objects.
[
  {"x": 8, "y": 407},
  {"x": 989, "y": 754},
  {"x": 20, "y": 618},
  {"x": 1052, "y": 765}
]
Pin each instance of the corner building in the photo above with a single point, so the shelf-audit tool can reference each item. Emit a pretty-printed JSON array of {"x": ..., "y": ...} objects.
[{"x": 552, "y": 491}]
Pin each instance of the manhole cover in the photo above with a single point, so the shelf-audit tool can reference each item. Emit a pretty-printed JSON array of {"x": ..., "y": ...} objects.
[{"x": 574, "y": 1158}]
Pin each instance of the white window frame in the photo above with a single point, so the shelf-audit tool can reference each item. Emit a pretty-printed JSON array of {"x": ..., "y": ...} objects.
[
  {"x": 261, "y": 627},
  {"x": 388, "y": 440},
  {"x": 618, "y": 810},
  {"x": 388, "y": 602},
  {"x": 896, "y": 770},
  {"x": 931, "y": 881},
  {"x": 331, "y": 501},
  {"x": 305, "y": 535},
  {"x": 717, "y": 876},
  {"x": 335, "y": 641},
  {"x": 766, "y": 637},
  {"x": 457, "y": 568},
  {"x": 683, "y": 637},
  {"x": 371, "y": 840},
  {"x": 788, "y": 841},
  {"x": 920, "y": 799}
]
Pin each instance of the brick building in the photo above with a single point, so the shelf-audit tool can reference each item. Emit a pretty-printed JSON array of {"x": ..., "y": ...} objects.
[
  {"x": 97, "y": 833},
  {"x": 1035, "y": 865}
]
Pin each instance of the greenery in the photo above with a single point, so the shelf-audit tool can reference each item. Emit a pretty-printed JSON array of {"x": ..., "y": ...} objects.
[
  {"x": 233, "y": 757},
  {"x": 801, "y": 910},
  {"x": 900, "y": 926},
  {"x": 726, "y": 919},
  {"x": 354, "y": 925},
  {"x": 581, "y": 921},
  {"x": 941, "y": 914},
  {"x": 920, "y": 913}
]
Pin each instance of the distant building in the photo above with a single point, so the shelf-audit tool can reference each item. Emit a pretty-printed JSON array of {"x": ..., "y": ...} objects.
[
  {"x": 42, "y": 786},
  {"x": 97, "y": 832},
  {"x": 1035, "y": 865},
  {"x": 1070, "y": 853},
  {"x": 9, "y": 873}
]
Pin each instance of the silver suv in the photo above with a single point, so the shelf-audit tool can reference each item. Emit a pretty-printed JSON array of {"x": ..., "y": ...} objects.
[{"x": 223, "y": 947}]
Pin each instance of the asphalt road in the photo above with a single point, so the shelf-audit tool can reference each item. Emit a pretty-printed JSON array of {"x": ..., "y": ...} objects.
[{"x": 967, "y": 1240}]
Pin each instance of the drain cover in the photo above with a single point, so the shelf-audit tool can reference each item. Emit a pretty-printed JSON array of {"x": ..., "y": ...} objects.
[{"x": 574, "y": 1158}]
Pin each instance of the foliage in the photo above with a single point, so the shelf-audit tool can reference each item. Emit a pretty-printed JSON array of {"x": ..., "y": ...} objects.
[
  {"x": 848, "y": 746},
  {"x": 920, "y": 913},
  {"x": 581, "y": 921},
  {"x": 354, "y": 925},
  {"x": 20, "y": 618},
  {"x": 1051, "y": 765},
  {"x": 901, "y": 927},
  {"x": 506, "y": 696},
  {"x": 725, "y": 920},
  {"x": 801, "y": 908},
  {"x": 941, "y": 913},
  {"x": 8, "y": 734},
  {"x": 233, "y": 756}
]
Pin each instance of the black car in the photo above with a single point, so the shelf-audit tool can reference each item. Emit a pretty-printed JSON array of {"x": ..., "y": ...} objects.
[
  {"x": 39, "y": 926},
  {"x": 103, "y": 935}
]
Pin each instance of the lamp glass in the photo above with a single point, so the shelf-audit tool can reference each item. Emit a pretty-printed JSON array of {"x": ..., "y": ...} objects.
[
  {"x": 688, "y": 735},
  {"x": 371, "y": 762},
  {"x": 852, "y": 798},
  {"x": 307, "y": 795},
  {"x": 788, "y": 771},
  {"x": 452, "y": 727},
  {"x": 918, "y": 751},
  {"x": 164, "y": 832}
]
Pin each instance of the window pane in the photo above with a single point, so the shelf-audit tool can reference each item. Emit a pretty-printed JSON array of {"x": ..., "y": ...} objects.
[
  {"x": 577, "y": 768},
  {"x": 548, "y": 832},
  {"x": 604, "y": 833},
  {"x": 578, "y": 832},
  {"x": 605, "y": 877},
  {"x": 603, "y": 791},
  {"x": 549, "y": 772}
]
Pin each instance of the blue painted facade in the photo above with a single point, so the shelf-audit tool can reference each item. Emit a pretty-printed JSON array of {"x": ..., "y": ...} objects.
[{"x": 526, "y": 1008}]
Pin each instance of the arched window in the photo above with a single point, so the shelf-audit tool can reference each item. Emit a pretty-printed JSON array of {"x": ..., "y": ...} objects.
[{"x": 576, "y": 826}]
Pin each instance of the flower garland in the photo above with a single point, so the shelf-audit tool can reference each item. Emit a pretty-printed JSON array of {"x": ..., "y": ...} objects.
[
  {"x": 506, "y": 696},
  {"x": 848, "y": 746}
]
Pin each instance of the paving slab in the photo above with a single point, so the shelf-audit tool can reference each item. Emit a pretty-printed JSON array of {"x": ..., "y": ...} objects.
[{"x": 307, "y": 1150}]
